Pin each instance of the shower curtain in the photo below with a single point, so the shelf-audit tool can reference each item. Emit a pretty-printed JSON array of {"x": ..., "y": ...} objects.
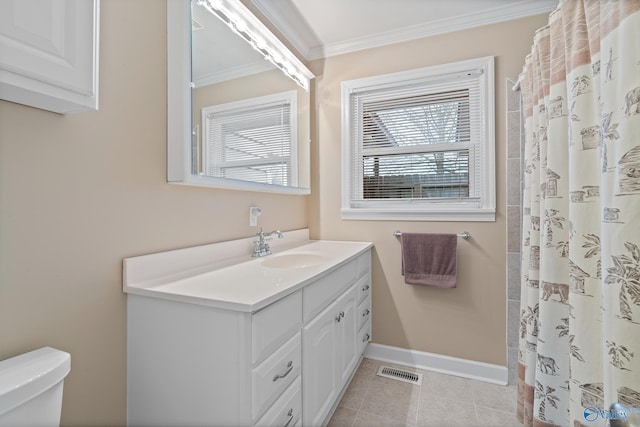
[{"x": 579, "y": 348}]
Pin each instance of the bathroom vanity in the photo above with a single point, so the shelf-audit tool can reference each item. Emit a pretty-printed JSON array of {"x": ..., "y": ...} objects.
[{"x": 216, "y": 337}]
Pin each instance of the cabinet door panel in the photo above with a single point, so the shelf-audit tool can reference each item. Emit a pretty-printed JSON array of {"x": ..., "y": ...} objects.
[
  {"x": 50, "y": 54},
  {"x": 346, "y": 333},
  {"x": 50, "y": 40},
  {"x": 319, "y": 353}
]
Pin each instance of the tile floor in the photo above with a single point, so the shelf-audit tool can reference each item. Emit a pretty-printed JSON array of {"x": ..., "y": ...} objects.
[{"x": 442, "y": 400}]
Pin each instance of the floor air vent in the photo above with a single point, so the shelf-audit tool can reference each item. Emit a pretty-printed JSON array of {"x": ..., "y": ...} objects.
[{"x": 400, "y": 375}]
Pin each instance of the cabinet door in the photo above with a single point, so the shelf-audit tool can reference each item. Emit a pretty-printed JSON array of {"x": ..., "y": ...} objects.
[
  {"x": 50, "y": 54},
  {"x": 319, "y": 366},
  {"x": 346, "y": 331}
]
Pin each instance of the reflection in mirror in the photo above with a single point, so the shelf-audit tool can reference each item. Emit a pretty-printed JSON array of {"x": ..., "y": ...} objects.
[
  {"x": 249, "y": 118},
  {"x": 253, "y": 140}
]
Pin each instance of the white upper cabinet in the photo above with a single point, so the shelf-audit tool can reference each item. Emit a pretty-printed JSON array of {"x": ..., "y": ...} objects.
[{"x": 49, "y": 54}]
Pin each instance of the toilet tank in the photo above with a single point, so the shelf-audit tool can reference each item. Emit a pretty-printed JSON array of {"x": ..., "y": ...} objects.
[{"x": 31, "y": 388}]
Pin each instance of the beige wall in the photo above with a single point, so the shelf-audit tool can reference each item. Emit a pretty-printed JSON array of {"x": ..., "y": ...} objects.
[
  {"x": 466, "y": 322},
  {"x": 79, "y": 193}
]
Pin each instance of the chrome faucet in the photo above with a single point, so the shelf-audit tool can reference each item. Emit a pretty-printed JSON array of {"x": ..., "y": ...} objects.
[{"x": 261, "y": 246}]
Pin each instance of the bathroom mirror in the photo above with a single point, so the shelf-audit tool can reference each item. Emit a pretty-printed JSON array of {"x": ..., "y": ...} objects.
[{"x": 235, "y": 120}]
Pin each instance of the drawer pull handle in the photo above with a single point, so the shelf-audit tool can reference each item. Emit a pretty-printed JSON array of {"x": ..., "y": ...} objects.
[
  {"x": 339, "y": 316},
  {"x": 366, "y": 338},
  {"x": 365, "y": 288},
  {"x": 290, "y": 415},
  {"x": 289, "y": 368},
  {"x": 366, "y": 313}
]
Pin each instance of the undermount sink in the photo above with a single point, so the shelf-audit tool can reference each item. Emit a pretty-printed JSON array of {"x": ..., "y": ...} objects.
[{"x": 293, "y": 260}]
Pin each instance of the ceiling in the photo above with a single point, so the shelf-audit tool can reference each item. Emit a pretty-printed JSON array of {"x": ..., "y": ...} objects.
[{"x": 321, "y": 28}]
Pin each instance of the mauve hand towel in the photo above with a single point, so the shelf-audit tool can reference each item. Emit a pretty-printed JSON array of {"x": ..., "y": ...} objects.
[{"x": 429, "y": 259}]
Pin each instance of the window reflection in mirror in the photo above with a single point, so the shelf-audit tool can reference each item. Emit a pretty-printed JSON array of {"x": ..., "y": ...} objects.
[
  {"x": 251, "y": 122},
  {"x": 252, "y": 140}
]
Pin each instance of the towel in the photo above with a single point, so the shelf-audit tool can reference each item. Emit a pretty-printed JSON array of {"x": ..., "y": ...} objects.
[{"x": 429, "y": 259}]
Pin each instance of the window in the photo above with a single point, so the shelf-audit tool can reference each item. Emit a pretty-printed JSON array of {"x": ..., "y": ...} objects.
[
  {"x": 419, "y": 145},
  {"x": 252, "y": 140}
]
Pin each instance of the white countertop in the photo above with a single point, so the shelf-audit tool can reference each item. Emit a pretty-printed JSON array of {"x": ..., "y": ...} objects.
[{"x": 245, "y": 285}]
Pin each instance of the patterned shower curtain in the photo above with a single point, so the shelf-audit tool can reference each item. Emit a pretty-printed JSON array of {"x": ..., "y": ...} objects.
[{"x": 579, "y": 346}]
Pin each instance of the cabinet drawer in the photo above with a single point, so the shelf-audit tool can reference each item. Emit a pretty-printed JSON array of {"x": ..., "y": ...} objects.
[
  {"x": 364, "y": 312},
  {"x": 364, "y": 288},
  {"x": 364, "y": 336},
  {"x": 274, "y": 325},
  {"x": 273, "y": 375},
  {"x": 287, "y": 409},
  {"x": 363, "y": 263},
  {"x": 319, "y": 294}
]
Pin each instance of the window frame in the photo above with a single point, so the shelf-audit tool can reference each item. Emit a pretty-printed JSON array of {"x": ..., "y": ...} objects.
[{"x": 480, "y": 208}]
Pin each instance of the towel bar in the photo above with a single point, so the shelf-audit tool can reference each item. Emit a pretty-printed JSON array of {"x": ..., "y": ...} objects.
[{"x": 465, "y": 234}]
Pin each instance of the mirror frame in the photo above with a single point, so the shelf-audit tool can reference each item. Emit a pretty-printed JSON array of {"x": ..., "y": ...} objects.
[{"x": 179, "y": 109}]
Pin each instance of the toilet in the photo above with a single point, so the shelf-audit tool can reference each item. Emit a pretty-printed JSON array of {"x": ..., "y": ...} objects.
[{"x": 31, "y": 388}]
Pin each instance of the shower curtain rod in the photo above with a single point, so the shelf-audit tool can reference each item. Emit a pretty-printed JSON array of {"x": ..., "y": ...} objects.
[{"x": 464, "y": 235}]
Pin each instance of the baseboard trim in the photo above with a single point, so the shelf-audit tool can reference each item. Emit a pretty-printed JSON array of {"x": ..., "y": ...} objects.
[{"x": 481, "y": 371}]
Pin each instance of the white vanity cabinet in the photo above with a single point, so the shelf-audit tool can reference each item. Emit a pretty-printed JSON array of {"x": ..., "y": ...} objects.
[
  {"x": 194, "y": 365},
  {"x": 198, "y": 362},
  {"x": 49, "y": 54},
  {"x": 331, "y": 341}
]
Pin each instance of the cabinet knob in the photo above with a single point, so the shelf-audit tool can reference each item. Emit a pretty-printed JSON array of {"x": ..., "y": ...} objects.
[
  {"x": 366, "y": 338},
  {"x": 289, "y": 368},
  {"x": 290, "y": 415}
]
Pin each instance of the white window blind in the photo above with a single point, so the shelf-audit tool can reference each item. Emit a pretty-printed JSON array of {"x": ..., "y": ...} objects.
[
  {"x": 251, "y": 141},
  {"x": 417, "y": 143}
]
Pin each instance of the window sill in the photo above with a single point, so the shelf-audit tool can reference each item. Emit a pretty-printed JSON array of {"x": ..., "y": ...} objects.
[{"x": 475, "y": 215}]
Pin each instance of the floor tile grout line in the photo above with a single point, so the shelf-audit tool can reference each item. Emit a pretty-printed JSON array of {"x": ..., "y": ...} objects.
[
  {"x": 386, "y": 418},
  {"x": 496, "y": 409},
  {"x": 475, "y": 411},
  {"x": 419, "y": 404},
  {"x": 366, "y": 392},
  {"x": 420, "y": 398}
]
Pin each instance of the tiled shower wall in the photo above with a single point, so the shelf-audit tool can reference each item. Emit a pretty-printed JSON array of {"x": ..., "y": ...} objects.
[{"x": 515, "y": 134}]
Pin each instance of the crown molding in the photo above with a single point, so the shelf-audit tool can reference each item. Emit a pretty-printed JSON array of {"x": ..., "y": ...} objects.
[
  {"x": 443, "y": 26},
  {"x": 289, "y": 22}
]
